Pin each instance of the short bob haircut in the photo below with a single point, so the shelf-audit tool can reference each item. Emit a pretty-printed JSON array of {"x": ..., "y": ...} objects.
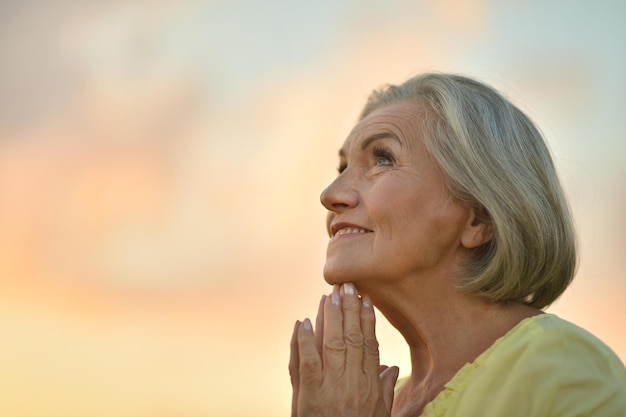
[{"x": 495, "y": 160}]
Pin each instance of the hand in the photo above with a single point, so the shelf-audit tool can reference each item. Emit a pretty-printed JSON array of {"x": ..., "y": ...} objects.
[{"x": 335, "y": 370}]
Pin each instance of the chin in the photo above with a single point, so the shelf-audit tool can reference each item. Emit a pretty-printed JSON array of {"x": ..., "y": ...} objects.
[
  {"x": 336, "y": 275},
  {"x": 361, "y": 285},
  {"x": 332, "y": 276},
  {"x": 332, "y": 279}
]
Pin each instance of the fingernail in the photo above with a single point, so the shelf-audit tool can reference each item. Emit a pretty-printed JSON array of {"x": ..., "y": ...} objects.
[
  {"x": 307, "y": 324},
  {"x": 366, "y": 301},
  {"x": 334, "y": 297},
  {"x": 348, "y": 288},
  {"x": 322, "y": 301}
]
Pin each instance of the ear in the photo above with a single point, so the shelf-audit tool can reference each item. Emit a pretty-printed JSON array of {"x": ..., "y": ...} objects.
[{"x": 478, "y": 229}]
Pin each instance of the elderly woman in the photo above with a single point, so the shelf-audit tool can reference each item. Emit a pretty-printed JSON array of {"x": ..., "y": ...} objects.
[{"x": 447, "y": 215}]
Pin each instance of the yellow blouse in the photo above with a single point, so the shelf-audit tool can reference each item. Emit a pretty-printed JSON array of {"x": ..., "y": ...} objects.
[{"x": 543, "y": 367}]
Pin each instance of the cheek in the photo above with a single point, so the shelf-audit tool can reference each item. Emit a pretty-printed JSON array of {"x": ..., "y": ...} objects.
[
  {"x": 445, "y": 227},
  {"x": 422, "y": 221}
]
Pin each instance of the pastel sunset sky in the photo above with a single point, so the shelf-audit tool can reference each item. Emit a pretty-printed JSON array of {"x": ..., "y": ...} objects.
[{"x": 161, "y": 164}]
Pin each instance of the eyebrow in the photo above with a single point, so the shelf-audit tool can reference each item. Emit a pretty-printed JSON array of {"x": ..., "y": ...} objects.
[{"x": 373, "y": 138}]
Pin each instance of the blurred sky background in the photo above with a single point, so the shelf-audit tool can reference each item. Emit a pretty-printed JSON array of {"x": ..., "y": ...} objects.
[{"x": 161, "y": 164}]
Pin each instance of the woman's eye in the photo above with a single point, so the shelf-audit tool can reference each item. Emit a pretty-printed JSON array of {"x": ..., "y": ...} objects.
[
  {"x": 341, "y": 168},
  {"x": 382, "y": 158}
]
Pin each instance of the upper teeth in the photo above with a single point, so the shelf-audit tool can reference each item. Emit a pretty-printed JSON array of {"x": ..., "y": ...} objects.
[{"x": 347, "y": 230}]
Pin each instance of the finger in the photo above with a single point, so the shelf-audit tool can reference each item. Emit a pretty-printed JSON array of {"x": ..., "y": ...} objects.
[
  {"x": 294, "y": 364},
  {"x": 310, "y": 369},
  {"x": 294, "y": 360},
  {"x": 388, "y": 380},
  {"x": 371, "y": 360},
  {"x": 334, "y": 348},
  {"x": 352, "y": 333},
  {"x": 319, "y": 326}
]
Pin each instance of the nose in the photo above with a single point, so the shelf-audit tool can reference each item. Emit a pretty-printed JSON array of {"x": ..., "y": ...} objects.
[{"x": 339, "y": 195}]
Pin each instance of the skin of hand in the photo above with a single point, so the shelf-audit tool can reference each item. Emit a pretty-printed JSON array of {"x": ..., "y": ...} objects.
[{"x": 335, "y": 369}]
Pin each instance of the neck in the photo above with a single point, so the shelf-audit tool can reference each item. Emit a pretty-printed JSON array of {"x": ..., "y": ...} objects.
[{"x": 444, "y": 327}]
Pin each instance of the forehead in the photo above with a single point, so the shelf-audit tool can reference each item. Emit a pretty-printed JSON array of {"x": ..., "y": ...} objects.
[{"x": 401, "y": 119}]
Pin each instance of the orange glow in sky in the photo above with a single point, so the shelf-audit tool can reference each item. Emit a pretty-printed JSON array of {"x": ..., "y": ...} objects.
[{"x": 160, "y": 171}]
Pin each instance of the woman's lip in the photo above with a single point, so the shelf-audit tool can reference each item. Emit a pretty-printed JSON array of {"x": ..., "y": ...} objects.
[
  {"x": 340, "y": 229},
  {"x": 350, "y": 231}
]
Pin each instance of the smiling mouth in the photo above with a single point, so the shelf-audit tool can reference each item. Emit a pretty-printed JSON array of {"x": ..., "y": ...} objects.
[{"x": 350, "y": 230}]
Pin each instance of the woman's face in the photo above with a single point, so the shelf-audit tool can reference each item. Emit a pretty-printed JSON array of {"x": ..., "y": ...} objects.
[{"x": 390, "y": 214}]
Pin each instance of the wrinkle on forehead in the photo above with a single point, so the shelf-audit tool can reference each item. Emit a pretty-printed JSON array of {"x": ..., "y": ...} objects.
[{"x": 403, "y": 119}]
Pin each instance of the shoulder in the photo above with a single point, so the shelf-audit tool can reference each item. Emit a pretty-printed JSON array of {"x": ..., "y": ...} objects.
[
  {"x": 553, "y": 365},
  {"x": 550, "y": 340}
]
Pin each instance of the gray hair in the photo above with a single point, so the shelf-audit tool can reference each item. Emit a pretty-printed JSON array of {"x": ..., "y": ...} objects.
[{"x": 495, "y": 160}]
